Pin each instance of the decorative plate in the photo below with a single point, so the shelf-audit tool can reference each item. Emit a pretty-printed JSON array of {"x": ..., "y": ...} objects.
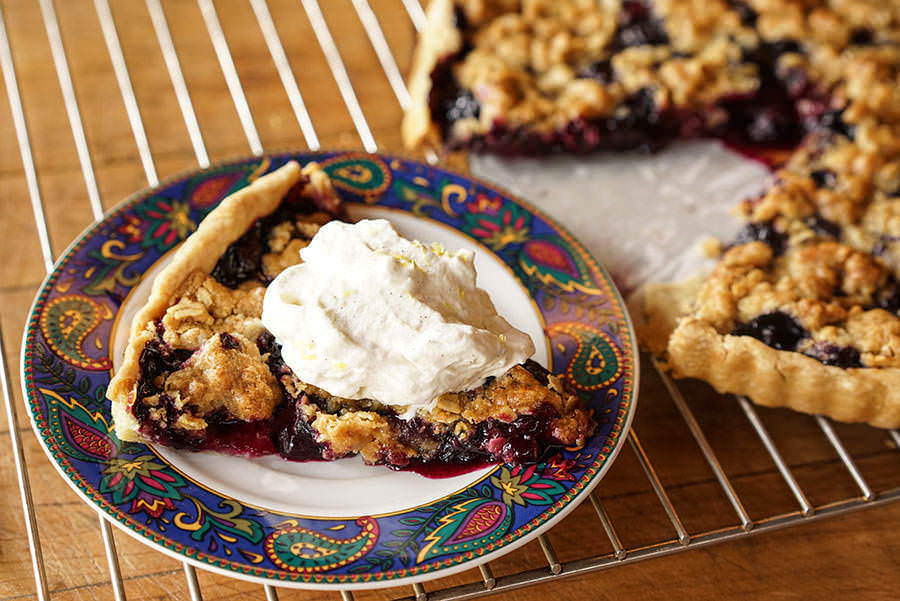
[{"x": 326, "y": 524}]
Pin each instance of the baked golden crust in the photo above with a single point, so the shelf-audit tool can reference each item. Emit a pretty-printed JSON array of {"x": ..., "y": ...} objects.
[
  {"x": 743, "y": 365},
  {"x": 439, "y": 39}
]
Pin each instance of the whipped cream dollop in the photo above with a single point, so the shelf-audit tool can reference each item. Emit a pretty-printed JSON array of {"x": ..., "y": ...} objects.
[{"x": 369, "y": 314}]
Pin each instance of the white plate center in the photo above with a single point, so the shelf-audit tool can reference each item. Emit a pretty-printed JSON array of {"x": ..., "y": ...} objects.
[{"x": 347, "y": 487}]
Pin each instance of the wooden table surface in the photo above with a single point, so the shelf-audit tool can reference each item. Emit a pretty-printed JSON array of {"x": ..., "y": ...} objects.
[{"x": 856, "y": 554}]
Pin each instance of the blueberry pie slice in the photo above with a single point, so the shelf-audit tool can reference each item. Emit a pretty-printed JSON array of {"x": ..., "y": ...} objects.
[
  {"x": 202, "y": 371},
  {"x": 802, "y": 310},
  {"x": 807, "y": 329}
]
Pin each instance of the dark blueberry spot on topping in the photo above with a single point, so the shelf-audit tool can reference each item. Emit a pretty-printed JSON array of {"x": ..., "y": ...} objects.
[
  {"x": 768, "y": 124},
  {"x": 229, "y": 342},
  {"x": 833, "y": 121},
  {"x": 823, "y": 227},
  {"x": 889, "y": 298},
  {"x": 462, "y": 106},
  {"x": 158, "y": 358},
  {"x": 824, "y": 178},
  {"x": 537, "y": 370},
  {"x": 796, "y": 81},
  {"x": 778, "y": 330},
  {"x": 265, "y": 342},
  {"x": 642, "y": 110},
  {"x": 839, "y": 356},
  {"x": 862, "y": 37},
  {"x": 602, "y": 71},
  {"x": 460, "y": 20},
  {"x": 745, "y": 12},
  {"x": 638, "y": 27},
  {"x": 884, "y": 242},
  {"x": 762, "y": 232}
]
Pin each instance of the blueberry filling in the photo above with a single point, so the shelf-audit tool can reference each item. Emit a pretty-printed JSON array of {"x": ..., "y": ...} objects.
[
  {"x": 602, "y": 71},
  {"x": 823, "y": 178},
  {"x": 242, "y": 260},
  {"x": 782, "y": 332},
  {"x": 833, "y": 121},
  {"x": 824, "y": 227},
  {"x": 862, "y": 36},
  {"x": 778, "y": 330},
  {"x": 157, "y": 359},
  {"x": 293, "y": 437},
  {"x": 838, "y": 356},
  {"x": 763, "y": 231},
  {"x": 889, "y": 298},
  {"x": 745, "y": 12},
  {"x": 447, "y": 101},
  {"x": 229, "y": 342},
  {"x": 524, "y": 440},
  {"x": 884, "y": 244},
  {"x": 638, "y": 27}
]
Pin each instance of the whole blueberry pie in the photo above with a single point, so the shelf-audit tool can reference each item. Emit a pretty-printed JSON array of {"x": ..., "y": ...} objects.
[
  {"x": 202, "y": 372},
  {"x": 540, "y": 76}
]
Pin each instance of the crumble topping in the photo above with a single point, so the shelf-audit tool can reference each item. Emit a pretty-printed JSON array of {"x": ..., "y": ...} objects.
[
  {"x": 206, "y": 307},
  {"x": 544, "y": 63},
  {"x": 226, "y": 374}
]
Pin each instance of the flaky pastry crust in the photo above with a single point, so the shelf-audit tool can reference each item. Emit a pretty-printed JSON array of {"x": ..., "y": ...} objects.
[{"x": 199, "y": 254}]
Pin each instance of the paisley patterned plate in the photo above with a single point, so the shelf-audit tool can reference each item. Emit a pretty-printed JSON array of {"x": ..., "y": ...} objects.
[{"x": 338, "y": 524}]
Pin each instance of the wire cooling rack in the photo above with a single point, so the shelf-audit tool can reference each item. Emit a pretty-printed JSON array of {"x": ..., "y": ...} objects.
[{"x": 676, "y": 538}]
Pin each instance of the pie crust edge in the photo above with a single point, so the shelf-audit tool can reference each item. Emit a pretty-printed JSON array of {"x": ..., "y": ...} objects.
[
  {"x": 200, "y": 252},
  {"x": 439, "y": 38},
  {"x": 745, "y": 366}
]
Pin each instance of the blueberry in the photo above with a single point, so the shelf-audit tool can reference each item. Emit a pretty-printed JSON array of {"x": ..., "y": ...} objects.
[
  {"x": 462, "y": 106},
  {"x": 889, "y": 298},
  {"x": 824, "y": 178},
  {"x": 294, "y": 438},
  {"x": 768, "y": 124},
  {"x": 602, "y": 71},
  {"x": 838, "y": 356},
  {"x": 778, "y": 330},
  {"x": 862, "y": 36},
  {"x": 833, "y": 121},
  {"x": 229, "y": 342},
  {"x": 158, "y": 358},
  {"x": 824, "y": 227},
  {"x": 638, "y": 27},
  {"x": 745, "y": 12},
  {"x": 763, "y": 231},
  {"x": 241, "y": 260},
  {"x": 642, "y": 110}
]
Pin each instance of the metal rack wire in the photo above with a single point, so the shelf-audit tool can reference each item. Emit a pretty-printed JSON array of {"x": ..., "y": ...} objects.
[{"x": 487, "y": 583}]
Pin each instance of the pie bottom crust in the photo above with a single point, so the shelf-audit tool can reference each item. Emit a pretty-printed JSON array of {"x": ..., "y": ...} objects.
[{"x": 772, "y": 378}]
